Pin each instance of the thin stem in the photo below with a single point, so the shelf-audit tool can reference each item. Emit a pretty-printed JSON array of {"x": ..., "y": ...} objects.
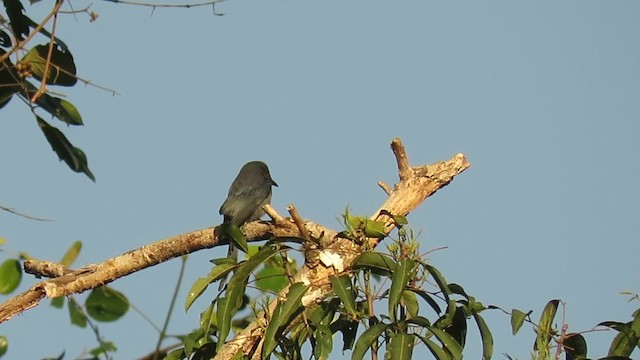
[{"x": 171, "y": 307}]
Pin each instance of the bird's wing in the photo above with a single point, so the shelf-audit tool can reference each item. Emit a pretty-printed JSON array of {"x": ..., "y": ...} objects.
[{"x": 245, "y": 205}]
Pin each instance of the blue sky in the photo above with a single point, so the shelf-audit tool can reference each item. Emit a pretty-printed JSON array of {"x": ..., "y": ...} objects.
[{"x": 542, "y": 97}]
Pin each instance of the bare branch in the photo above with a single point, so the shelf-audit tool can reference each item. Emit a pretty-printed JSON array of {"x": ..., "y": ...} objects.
[{"x": 298, "y": 221}]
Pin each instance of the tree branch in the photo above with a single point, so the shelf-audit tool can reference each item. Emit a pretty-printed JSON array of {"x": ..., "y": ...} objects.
[{"x": 331, "y": 256}]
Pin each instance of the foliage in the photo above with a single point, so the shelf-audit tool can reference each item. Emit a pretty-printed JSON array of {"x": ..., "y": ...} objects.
[{"x": 28, "y": 75}]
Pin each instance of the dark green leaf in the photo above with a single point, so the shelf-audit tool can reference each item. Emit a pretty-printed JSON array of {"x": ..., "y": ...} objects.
[
  {"x": 448, "y": 342},
  {"x": 282, "y": 315},
  {"x": 60, "y": 108},
  {"x": 400, "y": 220},
  {"x": 104, "y": 348},
  {"x": 17, "y": 20},
  {"x": 343, "y": 287},
  {"x": 9, "y": 80},
  {"x": 366, "y": 340},
  {"x": 374, "y": 229},
  {"x": 72, "y": 254},
  {"x": 400, "y": 347},
  {"x": 436, "y": 351},
  {"x": 58, "y": 302},
  {"x": 76, "y": 314},
  {"x": 426, "y": 297},
  {"x": 410, "y": 301},
  {"x": 323, "y": 342},
  {"x": 378, "y": 263},
  {"x": 420, "y": 321},
  {"x": 5, "y": 39},
  {"x": 201, "y": 284},
  {"x": 624, "y": 343},
  {"x": 440, "y": 280},
  {"x": 106, "y": 304},
  {"x": 349, "y": 330},
  {"x": 402, "y": 275},
  {"x": 61, "y": 70},
  {"x": 485, "y": 334},
  {"x": 575, "y": 347},
  {"x": 517, "y": 319},
  {"x": 73, "y": 156},
  {"x": 10, "y": 276},
  {"x": 458, "y": 327},
  {"x": 245, "y": 268}
]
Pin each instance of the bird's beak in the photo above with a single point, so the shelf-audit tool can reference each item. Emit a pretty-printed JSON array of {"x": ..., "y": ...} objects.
[{"x": 274, "y": 183}]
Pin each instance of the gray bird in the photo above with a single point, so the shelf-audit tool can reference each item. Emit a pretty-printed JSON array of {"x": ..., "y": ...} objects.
[{"x": 249, "y": 192}]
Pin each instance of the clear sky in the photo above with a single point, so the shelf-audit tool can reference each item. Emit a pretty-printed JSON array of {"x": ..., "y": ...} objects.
[{"x": 542, "y": 97}]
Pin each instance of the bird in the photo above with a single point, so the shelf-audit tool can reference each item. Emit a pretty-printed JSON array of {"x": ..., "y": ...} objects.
[{"x": 248, "y": 193}]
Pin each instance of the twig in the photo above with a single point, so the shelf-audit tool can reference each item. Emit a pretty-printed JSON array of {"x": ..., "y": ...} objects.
[
  {"x": 298, "y": 221},
  {"x": 24, "y": 215},
  {"x": 385, "y": 187}
]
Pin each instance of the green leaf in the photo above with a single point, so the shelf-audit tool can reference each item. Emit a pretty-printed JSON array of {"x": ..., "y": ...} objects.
[
  {"x": 58, "y": 302},
  {"x": 323, "y": 342},
  {"x": 61, "y": 68},
  {"x": 104, "y": 348},
  {"x": 377, "y": 262},
  {"x": 458, "y": 327},
  {"x": 349, "y": 330},
  {"x": 343, "y": 287},
  {"x": 76, "y": 315},
  {"x": 10, "y": 276},
  {"x": 440, "y": 281},
  {"x": 426, "y": 297},
  {"x": 485, "y": 334},
  {"x": 517, "y": 320},
  {"x": 545, "y": 328},
  {"x": 9, "y": 80},
  {"x": 72, "y": 254},
  {"x": 246, "y": 268},
  {"x": 399, "y": 280},
  {"x": 448, "y": 342},
  {"x": 400, "y": 347},
  {"x": 366, "y": 340},
  {"x": 271, "y": 278},
  {"x": 5, "y": 39},
  {"x": 624, "y": 343},
  {"x": 201, "y": 284},
  {"x": 400, "y": 220},
  {"x": 438, "y": 352},
  {"x": 374, "y": 229},
  {"x": 223, "y": 315},
  {"x": 4, "y": 345},
  {"x": 420, "y": 321},
  {"x": 410, "y": 301},
  {"x": 282, "y": 315},
  {"x": 106, "y": 304},
  {"x": 73, "y": 156},
  {"x": 575, "y": 347},
  {"x": 60, "y": 108}
]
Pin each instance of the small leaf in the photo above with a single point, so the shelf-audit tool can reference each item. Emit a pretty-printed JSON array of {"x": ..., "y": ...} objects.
[
  {"x": 517, "y": 319},
  {"x": 224, "y": 314},
  {"x": 73, "y": 156},
  {"x": 624, "y": 343},
  {"x": 399, "y": 280},
  {"x": 420, "y": 321},
  {"x": 60, "y": 108},
  {"x": 575, "y": 347},
  {"x": 4, "y": 345},
  {"x": 76, "y": 315},
  {"x": 366, "y": 340},
  {"x": 426, "y": 297},
  {"x": 72, "y": 254},
  {"x": 61, "y": 69},
  {"x": 400, "y": 347},
  {"x": 10, "y": 276},
  {"x": 374, "y": 229},
  {"x": 282, "y": 315},
  {"x": 440, "y": 280},
  {"x": 58, "y": 302},
  {"x": 400, "y": 220},
  {"x": 349, "y": 330},
  {"x": 106, "y": 304},
  {"x": 343, "y": 287}
]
